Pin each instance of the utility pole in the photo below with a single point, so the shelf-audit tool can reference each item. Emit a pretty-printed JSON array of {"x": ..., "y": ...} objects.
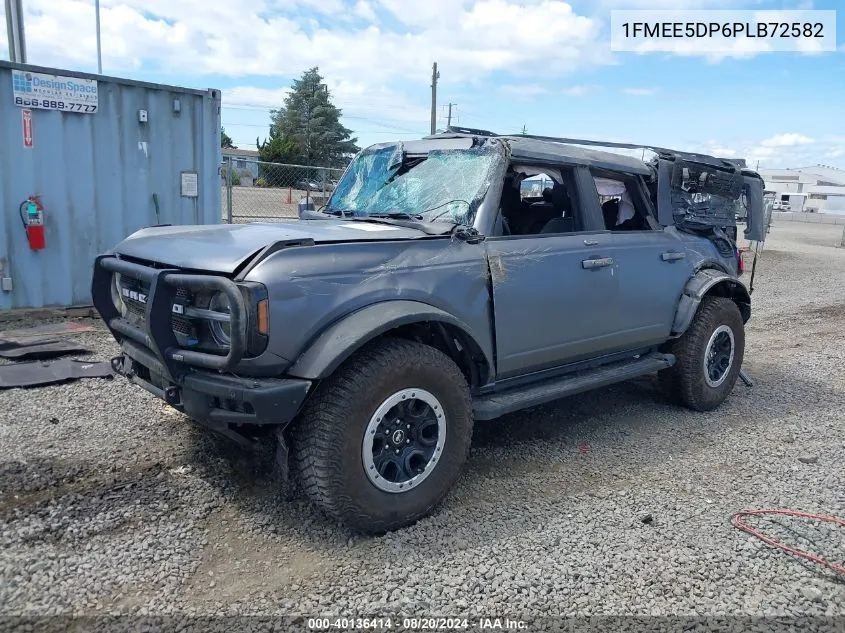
[
  {"x": 523, "y": 128},
  {"x": 99, "y": 49},
  {"x": 15, "y": 30},
  {"x": 449, "y": 117},
  {"x": 434, "y": 77}
]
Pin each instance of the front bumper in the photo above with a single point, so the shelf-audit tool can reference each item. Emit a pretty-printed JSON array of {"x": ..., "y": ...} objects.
[
  {"x": 212, "y": 399},
  {"x": 197, "y": 383}
]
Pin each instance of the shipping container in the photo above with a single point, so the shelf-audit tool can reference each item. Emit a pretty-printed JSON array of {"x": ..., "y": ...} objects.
[{"x": 103, "y": 157}]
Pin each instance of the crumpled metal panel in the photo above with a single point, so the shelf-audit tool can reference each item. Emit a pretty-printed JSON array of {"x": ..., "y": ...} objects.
[
  {"x": 97, "y": 175},
  {"x": 314, "y": 287}
]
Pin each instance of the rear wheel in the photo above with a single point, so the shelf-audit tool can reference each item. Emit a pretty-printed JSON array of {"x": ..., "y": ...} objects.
[
  {"x": 381, "y": 441},
  {"x": 708, "y": 356}
]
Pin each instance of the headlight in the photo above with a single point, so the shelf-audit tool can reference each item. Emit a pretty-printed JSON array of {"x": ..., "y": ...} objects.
[
  {"x": 116, "y": 294},
  {"x": 219, "y": 321}
]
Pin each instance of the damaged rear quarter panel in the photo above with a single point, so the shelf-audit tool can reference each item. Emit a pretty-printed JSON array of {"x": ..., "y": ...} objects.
[{"x": 312, "y": 287}]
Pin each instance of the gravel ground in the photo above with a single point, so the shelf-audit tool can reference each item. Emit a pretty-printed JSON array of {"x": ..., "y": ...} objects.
[{"x": 612, "y": 502}]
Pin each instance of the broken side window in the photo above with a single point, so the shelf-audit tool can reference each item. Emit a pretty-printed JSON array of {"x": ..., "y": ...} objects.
[
  {"x": 704, "y": 196},
  {"x": 622, "y": 202}
]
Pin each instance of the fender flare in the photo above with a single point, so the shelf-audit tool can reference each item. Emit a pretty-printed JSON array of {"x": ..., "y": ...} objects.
[
  {"x": 704, "y": 282},
  {"x": 344, "y": 337}
]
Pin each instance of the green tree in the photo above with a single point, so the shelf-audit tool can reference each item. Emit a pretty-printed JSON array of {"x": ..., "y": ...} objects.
[
  {"x": 307, "y": 128},
  {"x": 278, "y": 149},
  {"x": 226, "y": 140}
]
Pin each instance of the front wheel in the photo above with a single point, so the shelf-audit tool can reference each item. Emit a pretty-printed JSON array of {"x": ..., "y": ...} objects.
[
  {"x": 708, "y": 356},
  {"x": 381, "y": 441}
]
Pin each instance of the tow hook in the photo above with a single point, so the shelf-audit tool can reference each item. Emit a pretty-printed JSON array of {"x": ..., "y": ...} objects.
[
  {"x": 117, "y": 364},
  {"x": 172, "y": 395}
]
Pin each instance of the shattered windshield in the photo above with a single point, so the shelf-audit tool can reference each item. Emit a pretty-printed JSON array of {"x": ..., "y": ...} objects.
[{"x": 440, "y": 186}]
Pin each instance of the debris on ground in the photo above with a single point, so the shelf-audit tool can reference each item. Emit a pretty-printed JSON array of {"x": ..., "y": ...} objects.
[
  {"x": 39, "y": 373},
  {"x": 29, "y": 334},
  {"x": 41, "y": 351},
  {"x": 738, "y": 521}
]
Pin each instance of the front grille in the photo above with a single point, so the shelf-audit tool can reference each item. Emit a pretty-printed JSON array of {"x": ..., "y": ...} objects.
[{"x": 132, "y": 291}]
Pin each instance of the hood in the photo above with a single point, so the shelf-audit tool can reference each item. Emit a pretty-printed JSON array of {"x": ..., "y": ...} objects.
[{"x": 223, "y": 248}]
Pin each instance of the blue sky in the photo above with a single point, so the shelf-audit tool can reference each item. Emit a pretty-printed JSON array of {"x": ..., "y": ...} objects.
[{"x": 542, "y": 64}]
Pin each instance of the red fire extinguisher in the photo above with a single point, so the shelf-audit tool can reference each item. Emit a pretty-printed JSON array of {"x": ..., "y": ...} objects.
[{"x": 32, "y": 216}]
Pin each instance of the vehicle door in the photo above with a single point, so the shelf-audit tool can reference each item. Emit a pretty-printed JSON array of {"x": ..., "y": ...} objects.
[
  {"x": 652, "y": 262},
  {"x": 554, "y": 287}
]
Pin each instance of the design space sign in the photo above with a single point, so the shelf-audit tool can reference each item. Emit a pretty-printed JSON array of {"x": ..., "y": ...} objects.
[{"x": 54, "y": 92}]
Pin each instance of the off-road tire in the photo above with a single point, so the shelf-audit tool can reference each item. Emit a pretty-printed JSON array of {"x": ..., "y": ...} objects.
[
  {"x": 686, "y": 382},
  {"x": 327, "y": 437}
]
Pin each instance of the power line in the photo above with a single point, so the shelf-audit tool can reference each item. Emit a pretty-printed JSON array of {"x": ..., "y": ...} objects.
[
  {"x": 352, "y": 118},
  {"x": 240, "y": 105}
]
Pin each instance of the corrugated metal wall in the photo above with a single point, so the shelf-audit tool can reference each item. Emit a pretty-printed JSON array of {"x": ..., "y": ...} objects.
[{"x": 98, "y": 175}]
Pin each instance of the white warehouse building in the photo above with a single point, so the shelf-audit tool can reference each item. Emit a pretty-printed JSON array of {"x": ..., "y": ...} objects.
[{"x": 814, "y": 189}]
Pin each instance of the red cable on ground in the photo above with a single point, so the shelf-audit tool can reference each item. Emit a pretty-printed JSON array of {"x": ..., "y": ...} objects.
[{"x": 737, "y": 522}]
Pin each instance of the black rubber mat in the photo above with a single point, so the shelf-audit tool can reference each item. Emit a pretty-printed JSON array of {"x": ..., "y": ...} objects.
[
  {"x": 42, "y": 351},
  {"x": 51, "y": 372},
  {"x": 6, "y": 345}
]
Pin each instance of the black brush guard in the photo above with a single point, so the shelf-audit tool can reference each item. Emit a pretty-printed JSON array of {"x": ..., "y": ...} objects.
[
  {"x": 175, "y": 374},
  {"x": 157, "y": 334}
]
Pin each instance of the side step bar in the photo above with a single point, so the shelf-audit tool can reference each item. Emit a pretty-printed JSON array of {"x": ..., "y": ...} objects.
[{"x": 495, "y": 405}]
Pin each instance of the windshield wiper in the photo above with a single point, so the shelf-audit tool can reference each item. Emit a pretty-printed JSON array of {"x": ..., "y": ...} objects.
[
  {"x": 396, "y": 215},
  {"x": 337, "y": 212}
]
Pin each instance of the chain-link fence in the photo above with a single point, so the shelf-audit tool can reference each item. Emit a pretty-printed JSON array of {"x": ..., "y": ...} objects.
[{"x": 255, "y": 191}]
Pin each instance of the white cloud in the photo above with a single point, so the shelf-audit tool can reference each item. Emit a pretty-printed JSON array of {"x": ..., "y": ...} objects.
[
  {"x": 579, "y": 90},
  {"x": 524, "y": 91},
  {"x": 469, "y": 39},
  {"x": 376, "y": 111},
  {"x": 640, "y": 92},
  {"x": 360, "y": 46},
  {"x": 779, "y": 150},
  {"x": 775, "y": 151},
  {"x": 365, "y": 11},
  {"x": 609, "y": 5},
  {"x": 786, "y": 140},
  {"x": 251, "y": 96},
  {"x": 377, "y": 103}
]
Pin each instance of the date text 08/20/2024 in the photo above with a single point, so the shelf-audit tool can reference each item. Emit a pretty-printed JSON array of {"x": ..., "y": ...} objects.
[{"x": 415, "y": 624}]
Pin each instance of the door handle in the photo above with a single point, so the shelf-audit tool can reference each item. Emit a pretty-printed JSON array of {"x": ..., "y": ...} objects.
[
  {"x": 672, "y": 256},
  {"x": 591, "y": 242},
  {"x": 602, "y": 262}
]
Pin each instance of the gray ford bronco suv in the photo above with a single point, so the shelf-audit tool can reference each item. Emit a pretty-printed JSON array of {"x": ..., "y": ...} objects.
[{"x": 366, "y": 337}]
